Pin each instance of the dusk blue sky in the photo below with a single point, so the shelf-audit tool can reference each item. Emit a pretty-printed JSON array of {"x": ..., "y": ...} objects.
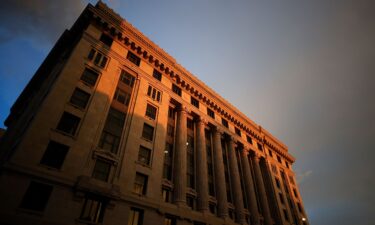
[{"x": 303, "y": 70}]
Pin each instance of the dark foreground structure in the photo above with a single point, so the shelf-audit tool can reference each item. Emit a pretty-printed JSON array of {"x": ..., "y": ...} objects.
[{"x": 112, "y": 130}]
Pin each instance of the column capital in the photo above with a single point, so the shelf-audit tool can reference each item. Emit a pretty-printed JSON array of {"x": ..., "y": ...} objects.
[
  {"x": 202, "y": 120},
  {"x": 182, "y": 109},
  {"x": 219, "y": 130}
]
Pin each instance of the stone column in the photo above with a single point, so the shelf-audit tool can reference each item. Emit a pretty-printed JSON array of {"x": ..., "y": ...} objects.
[
  {"x": 202, "y": 180},
  {"x": 179, "y": 175},
  {"x": 250, "y": 188},
  {"x": 221, "y": 192},
  {"x": 261, "y": 190},
  {"x": 235, "y": 182}
]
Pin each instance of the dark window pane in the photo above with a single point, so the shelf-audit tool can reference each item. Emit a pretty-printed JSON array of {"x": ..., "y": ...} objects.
[
  {"x": 224, "y": 122},
  {"x": 68, "y": 123},
  {"x": 127, "y": 78},
  {"x": 140, "y": 184},
  {"x": 144, "y": 155},
  {"x": 249, "y": 139},
  {"x": 133, "y": 58},
  {"x": 151, "y": 111},
  {"x": 148, "y": 132},
  {"x": 210, "y": 113},
  {"x": 194, "y": 102},
  {"x": 89, "y": 77},
  {"x": 36, "y": 196},
  {"x": 93, "y": 210},
  {"x": 156, "y": 74},
  {"x": 101, "y": 170},
  {"x": 80, "y": 98},
  {"x": 176, "y": 89},
  {"x": 122, "y": 97},
  {"x": 135, "y": 217},
  {"x": 106, "y": 39},
  {"x": 237, "y": 131},
  {"x": 54, "y": 155},
  {"x": 260, "y": 147}
]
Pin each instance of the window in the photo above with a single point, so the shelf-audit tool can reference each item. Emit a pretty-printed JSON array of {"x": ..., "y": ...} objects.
[
  {"x": 167, "y": 194},
  {"x": 237, "y": 131},
  {"x": 80, "y": 98},
  {"x": 274, "y": 169},
  {"x": 224, "y": 122},
  {"x": 140, "y": 184},
  {"x": 169, "y": 220},
  {"x": 270, "y": 153},
  {"x": 281, "y": 198},
  {"x": 190, "y": 124},
  {"x": 299, "y": 207},
  {"x": 148, "y": 132},
  {"x": 36, "y": 196},
  {"x": 170, "y": 130},
  {"x": 151, "y": 111},
  {"x": 144, "y": 155},
  {"x": 287, "y": 164},
  {"x": 98, "y": 58},
  {"x": 133, "y": 58},
  {"x": 68, "y": 123},
  {"x": 154, "y": 93},
  {"x": 212, "y": 208},
  {"x": 194, "y": 102},
  {"x": 112, "y": 130},
  {"x": 210, "y": 113},
  {"x": 127, "y": 78},
  {"x": 190, "y": 162},
  {"x": 260, "y": 147},
  {"x": 101, "y": 170},
  {"x": 249, "y": 139},
  {"x": 279, "y": 159},
  {"x": 54, "y": 155},
  {"x": 190, "y": 201},
  {"x": 168, "y": 159},
  {"x": 122, "y": 97},
  {"x": 295, "y": 193},
  {"x": 176, "y": 89},
  {"x": 135, "y": 217},
  {"x": 231, "y": 214},
  {"x": 286, "y": 215},
  {"x": 106, "y": 39},
  {"x": 171, "y": 113},
  {"x": 277, "y": 183},
  {"x": 89, "y": 77},
  {"x": 291, "y": 180},
  {"x": 157, "y": 75},
  {"x": 93, "y": 209}
]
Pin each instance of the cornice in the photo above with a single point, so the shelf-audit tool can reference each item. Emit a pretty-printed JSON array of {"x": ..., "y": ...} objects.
[{"x": 130, "y": 36}]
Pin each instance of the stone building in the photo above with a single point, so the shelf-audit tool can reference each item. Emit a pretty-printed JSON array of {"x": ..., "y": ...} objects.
[{"x": 112, "y": 130}]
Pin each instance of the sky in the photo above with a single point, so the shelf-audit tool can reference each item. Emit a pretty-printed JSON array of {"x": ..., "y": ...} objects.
[{"x": 303, "y": 70}]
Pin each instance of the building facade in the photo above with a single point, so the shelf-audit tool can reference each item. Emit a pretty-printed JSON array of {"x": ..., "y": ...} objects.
[{"x": 112, "y": 130}]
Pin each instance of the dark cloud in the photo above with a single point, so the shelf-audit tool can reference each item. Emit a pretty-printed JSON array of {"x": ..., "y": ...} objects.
[{"x": 44, "y": 20}]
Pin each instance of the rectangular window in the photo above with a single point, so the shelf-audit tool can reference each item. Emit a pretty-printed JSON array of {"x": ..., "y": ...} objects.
[
  {"x": 237, "y": 131},
  {"x": 157, "y": 75},
  {"x": 106, "y": 39},
  {"x": 190, "y": 162},
  {"x": 151, "y": 111},
  {"x": 98, "y": 58},
  {"x": 295, "y": 193},
  {"x": 167, "y": 194},
  {"x": 54, "y": 155},
  {"x": 224, "y": 122},
  {"x": 89, "y": 77},
  {"x": 286, "y": 215},
  {"x": 93, "y": 209},
  {"x": 176, "y": 89},
  {"x": 291, "y": 180},
  {"x": 287, "y": 164},
  {"x": 190, "y": 201},
  {"x": 169, "y": 220},
  {"x": 144, "y": 155},
  {"x": 277, "y": 183},
  {"x": 168, "y": 159},
  {"x": 249, "y": 139},
  {"x": 170, "y": 130},
  {"x": 101, "y": 170},
  {"x": 171, "y": 113},
  {"x": 80, "y": 98},
  {"x": 148, "y": 132},
  {"x": 154, "y": 93},
  {"x": 210, "y": 113},
  {"x": 36, "y": 196},
  {"x": 112, "y": 130},
  {"x": 127, "y": 78},
  {"x": 140, "y": 184},
  {"x": 194, "y": 102},
  {"x": 133, "y": 58},
  {"x": 212, "y": 208},
  {"x": 68, "y": 123},
  {"x": 122, "y": 97},
  {"x": 135, "y": 217},
  {"x": 260, "y": 147},
  {"x": 281, "y": 198},
  {"x": 279, "y": 159}
]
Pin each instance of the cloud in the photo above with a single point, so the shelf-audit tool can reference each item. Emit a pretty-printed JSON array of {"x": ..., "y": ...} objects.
[{"x": 41, "y": 20}]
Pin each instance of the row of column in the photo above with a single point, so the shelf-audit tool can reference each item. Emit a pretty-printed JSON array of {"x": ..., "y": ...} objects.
[{"x": 219, "y": 172}]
